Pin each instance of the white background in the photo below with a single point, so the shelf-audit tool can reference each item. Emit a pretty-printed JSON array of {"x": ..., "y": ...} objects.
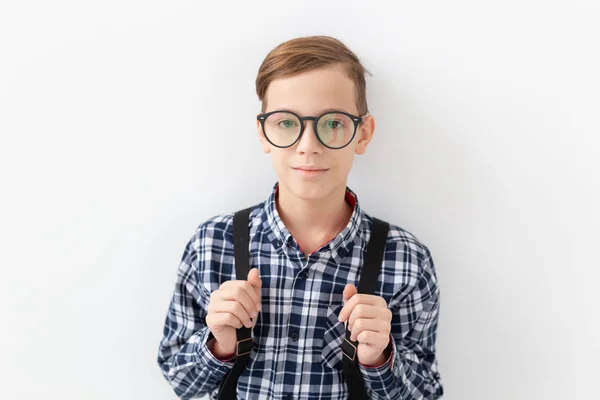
[{"x": 125, "y": 124}]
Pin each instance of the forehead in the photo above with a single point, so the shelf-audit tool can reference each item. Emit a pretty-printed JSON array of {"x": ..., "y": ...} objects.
[{"x": 310, "y": 92}]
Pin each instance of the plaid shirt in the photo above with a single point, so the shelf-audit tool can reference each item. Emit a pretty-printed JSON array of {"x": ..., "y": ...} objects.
[{"x": 297, "y": 338}]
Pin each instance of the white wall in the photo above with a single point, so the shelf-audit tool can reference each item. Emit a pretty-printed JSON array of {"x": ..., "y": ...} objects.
[{"x": 125, "y": 124}]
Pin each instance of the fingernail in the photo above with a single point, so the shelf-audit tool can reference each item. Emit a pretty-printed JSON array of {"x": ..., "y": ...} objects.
[
  {"x": 253, "y": 314},
  {"x": 258, "y": 307}
]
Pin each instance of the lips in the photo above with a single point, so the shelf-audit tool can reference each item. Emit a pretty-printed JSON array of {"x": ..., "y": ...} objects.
[
  {"x": 310, "y": 168},
  {"x": 310, "y": 173}
]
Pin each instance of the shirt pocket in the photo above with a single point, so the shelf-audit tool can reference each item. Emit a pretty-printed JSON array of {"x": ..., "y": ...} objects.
[{"x": 332, "y": 338}]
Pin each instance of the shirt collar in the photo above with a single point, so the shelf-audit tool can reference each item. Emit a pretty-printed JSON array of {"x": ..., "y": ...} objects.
[{"x": 340, "y": 245}]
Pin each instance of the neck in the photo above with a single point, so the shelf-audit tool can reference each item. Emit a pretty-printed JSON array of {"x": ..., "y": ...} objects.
[{"x": 313, "y": 222}]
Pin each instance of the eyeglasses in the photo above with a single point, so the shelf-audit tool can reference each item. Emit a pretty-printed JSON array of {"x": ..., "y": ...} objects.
[{"x": 334, "y": 129}]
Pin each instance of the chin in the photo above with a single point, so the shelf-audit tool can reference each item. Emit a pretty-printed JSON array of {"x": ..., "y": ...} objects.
[{"x": 307, "y": 190}]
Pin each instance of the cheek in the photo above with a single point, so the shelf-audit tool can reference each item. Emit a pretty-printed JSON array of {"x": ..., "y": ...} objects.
[
  {"x": 344, "y": 161},
  {"x": 279, "y": 159}
]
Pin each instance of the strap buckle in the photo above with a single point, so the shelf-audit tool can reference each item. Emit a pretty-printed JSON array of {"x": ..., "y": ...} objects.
[
  {"x": 349, "y": 349},
  {"x": 248, "y": 347}
]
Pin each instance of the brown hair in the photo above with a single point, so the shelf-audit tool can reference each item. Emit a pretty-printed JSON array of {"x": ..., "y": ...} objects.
[{"x": 307, "y": 53}]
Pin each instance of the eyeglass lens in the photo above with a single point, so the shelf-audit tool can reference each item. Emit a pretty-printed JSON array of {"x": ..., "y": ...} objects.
[{"x": 334, "y": 129}]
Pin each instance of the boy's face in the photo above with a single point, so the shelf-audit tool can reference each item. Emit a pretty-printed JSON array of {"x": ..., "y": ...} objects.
[{"x": 310, "y": 94}]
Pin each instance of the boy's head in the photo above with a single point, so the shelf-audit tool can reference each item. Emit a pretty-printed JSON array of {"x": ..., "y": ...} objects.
[{"x": 310, "y": 77}]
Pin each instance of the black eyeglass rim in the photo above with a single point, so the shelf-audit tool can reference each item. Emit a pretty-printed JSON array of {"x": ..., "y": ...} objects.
[{"x": 355, "y": 118}]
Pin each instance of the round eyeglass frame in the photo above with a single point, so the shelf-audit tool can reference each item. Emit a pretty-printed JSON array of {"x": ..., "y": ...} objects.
[{"x": 356, "y": 119}]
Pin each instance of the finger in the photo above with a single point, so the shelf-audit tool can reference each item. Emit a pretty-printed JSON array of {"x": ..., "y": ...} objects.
[
  {"x": 372, "y": 325},
  {"x": 256, "y": 282},
  {"x": 232, "y": 307},
  {"x": 378, "y": 339},
  {"x": 349, "y": 291},
  {"x": 365, "y": 311},
  {"x": 240, "y": 295},
  {"x": 361, "y": 310},
  {"x": 254, "y": 295},
  {"x": 359, "y": 299},
  {"x": 223, "y": 319},
  {"x": 254, "y": 279}
]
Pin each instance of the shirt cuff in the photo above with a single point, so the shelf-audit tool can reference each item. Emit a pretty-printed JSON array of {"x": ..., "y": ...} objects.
[
  {"x": 218, "y": 368},
  {"x": 382, "y": 378}
]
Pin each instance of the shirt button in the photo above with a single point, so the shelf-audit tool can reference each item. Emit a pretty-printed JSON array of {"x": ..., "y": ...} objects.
[
  {"x": 294, "y": 336},
  {"x": 304, "y": 275}
]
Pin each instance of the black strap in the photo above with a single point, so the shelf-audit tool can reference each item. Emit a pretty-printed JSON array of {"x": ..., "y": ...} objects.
[
  {"x": 367, "y": 284},
  {"x": 241, "y": 242}
]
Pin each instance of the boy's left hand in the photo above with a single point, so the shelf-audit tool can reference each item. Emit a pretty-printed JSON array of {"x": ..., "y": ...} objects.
[{"x": 369, "y": 322}]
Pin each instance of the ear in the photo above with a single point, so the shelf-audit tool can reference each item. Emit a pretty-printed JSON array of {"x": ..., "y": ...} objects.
[
  {"x": 365, "y": 134},
  {"x": 266, "y": 146}
]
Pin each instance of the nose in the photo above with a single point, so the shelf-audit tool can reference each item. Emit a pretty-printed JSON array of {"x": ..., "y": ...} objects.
[{"x": 308, "y": 142}]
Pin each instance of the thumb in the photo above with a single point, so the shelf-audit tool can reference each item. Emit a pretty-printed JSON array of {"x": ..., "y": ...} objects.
[
  {"x": 254, "y": 279},
  {"x": 349, "y": 291}
]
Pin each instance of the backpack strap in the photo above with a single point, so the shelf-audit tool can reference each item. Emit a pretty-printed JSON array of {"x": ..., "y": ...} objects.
[
  {"x": 241, "y": 242},
  {"x": 367, "y": 284}
]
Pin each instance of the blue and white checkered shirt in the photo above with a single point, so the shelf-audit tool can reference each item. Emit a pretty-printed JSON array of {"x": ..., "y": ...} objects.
[{"x": 297, "y": 339}]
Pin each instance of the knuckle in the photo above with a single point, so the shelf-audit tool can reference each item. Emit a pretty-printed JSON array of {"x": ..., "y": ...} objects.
[
  {"x": 362, "y": 337},
  {"x": 358, "y": 325},
  {"x": 365, "y": 336},
  {"x": 359, "y": 309},
  {"x": 239, "y": 309},
  {"x": 234, "y": 307},
  {"x": 236, "y": 323},
  {"x": 247, "y": 287},
  {"x": 237, "y": 292}
]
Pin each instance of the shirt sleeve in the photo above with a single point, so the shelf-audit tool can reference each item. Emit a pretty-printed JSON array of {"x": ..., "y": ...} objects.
[
  {"x": 183, "y": 356},
  {"x": 412, "y": 371}
]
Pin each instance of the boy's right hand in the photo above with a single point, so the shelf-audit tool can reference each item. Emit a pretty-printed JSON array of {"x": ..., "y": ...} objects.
[{"x": 231, "y": 307}]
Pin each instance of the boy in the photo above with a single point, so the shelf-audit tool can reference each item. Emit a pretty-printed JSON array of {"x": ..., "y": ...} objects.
[{"x": 307, "y": 246}]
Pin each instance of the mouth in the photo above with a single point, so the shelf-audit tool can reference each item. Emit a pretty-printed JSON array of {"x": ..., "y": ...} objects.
[
  {"x": 310, "y": 168},
  {"x": 310, "y": 172}
]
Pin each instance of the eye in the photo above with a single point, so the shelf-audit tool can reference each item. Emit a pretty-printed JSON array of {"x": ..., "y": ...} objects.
[
  {"x": 287, "y": 123},
  {"x": 333, "y": 124}
]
